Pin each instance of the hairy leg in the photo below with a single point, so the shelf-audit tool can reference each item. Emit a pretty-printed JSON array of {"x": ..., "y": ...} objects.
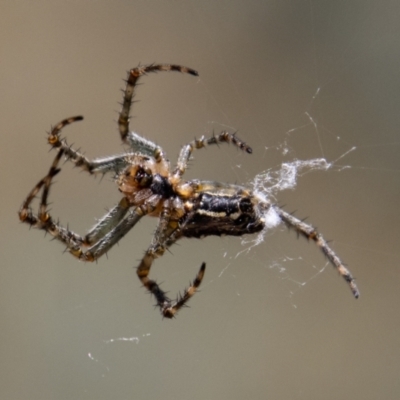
[
  {"x": 311, "y": 233},
  {"x": 112, "y": 164},
  {"x": 135, "y": 141},
  {"x": 164, "y": 237},
  {"x": 108, "y": 231},
  {"x": 186, "y": 151}
]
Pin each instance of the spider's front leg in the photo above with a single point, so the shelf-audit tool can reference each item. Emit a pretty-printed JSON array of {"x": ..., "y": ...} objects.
[
  {"x": 108, "y": 231},
  {"x": 136, "y": 142},
  {"x": 112, "y": 164},
  {"x": 164, "y": 237}
]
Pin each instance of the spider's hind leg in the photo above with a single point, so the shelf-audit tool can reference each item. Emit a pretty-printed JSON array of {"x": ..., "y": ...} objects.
[{"x": 311, "y": 233}]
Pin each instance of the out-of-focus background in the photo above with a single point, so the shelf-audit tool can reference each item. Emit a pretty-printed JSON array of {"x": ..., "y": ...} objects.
[{"x": 298, "y": 80}]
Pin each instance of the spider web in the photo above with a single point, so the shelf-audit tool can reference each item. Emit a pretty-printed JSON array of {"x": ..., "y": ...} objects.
[
  {"x": 312, "y": 87},
  {"x": 281, "y": 168},
  {"x": 331, "y": 152},
  {"x": 268, "y": 185}
]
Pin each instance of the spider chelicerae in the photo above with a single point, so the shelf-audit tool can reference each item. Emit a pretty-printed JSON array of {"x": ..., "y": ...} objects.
[{"x": 150, "y": 187}]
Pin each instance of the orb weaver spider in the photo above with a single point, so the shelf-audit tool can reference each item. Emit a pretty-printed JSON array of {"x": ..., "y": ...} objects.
[{"x": 150, "y": 187}]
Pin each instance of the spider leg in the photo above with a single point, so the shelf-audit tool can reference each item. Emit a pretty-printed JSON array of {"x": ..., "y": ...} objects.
[
  {"x": 108, "y": 231},
  {"x": 311, "y": 233},
  {"x": 97, "y": 166},
  {"x": 186, "y": 151},
  {"x": 135, "y": 141},
  {"x": 105, "y": 224},
  {"x": 164, "y": 237},
  {"x": 112, "y": 237}
]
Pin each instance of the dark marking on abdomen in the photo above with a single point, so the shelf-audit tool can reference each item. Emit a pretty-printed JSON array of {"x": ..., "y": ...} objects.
[{"x": 214, "y": 214}]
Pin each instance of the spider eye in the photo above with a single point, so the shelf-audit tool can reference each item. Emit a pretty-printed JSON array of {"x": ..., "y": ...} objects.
[{"x": 144, "y": 177}]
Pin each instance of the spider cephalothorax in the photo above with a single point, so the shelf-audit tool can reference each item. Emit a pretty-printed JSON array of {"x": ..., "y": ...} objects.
[{"x": 149, "y": 187}]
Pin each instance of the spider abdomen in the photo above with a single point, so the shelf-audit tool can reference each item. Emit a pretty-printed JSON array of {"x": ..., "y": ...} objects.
[{"x": 222, "y": 214}]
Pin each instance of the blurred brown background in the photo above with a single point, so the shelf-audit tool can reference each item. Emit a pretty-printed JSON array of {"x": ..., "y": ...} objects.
[{"x": 298, "y": 80}]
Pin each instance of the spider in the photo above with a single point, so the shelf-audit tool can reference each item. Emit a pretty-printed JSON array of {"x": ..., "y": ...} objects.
[{"x": 150, "y": 187}]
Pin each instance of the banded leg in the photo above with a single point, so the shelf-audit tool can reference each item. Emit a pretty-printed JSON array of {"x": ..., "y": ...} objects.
[
  {"x": 98, "y": 166},
  {"x": 160, "y": 243},
  {"x": 136, "y": 142},
  {"x": 108, "y": 231},
  {"x": 223, "y": 137},
  {"x": 311, "y": 233}
]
